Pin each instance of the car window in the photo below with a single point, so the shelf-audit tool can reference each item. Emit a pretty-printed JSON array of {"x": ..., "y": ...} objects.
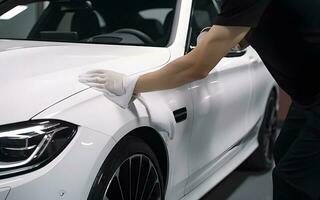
[
  {"x": 218, "y": 4},
  {"x": 66, "y": 22},
  {"x": 13, "y": 23},
  {"x": 159, "y": 14},
  {"x": 139, "y": 22},
  {"x": 204, "y": 14}
]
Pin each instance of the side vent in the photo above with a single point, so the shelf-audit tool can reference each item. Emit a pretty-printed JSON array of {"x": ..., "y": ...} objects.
[{"x": 180, "y": 114}]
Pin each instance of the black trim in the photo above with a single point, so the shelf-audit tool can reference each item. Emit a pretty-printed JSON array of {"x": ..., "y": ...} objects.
[
  {"x": 188, "y": 42},
  {"x": 180, "y": 114},
  {"x": 233, "y": 54}
]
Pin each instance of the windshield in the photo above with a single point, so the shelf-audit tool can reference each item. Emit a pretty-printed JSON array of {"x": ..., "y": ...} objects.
[{"x": 129, "y": 22}]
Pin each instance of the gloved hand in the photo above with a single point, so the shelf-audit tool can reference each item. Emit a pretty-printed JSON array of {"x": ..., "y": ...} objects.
[
  {"x": 115, "y": 86},
  {"x": 119, "y": 88}
]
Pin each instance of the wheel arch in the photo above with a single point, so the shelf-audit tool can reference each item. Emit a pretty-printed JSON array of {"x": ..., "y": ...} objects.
[
  {"x": 276, "y": 91},
  {"x": 156, "y": 142}
]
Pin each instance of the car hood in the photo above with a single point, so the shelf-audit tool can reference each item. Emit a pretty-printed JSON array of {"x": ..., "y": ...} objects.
[{"x": 36, "y": 75}]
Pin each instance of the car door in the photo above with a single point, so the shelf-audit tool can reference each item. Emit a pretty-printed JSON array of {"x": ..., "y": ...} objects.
[
  {"x": 262, "y": 82},
  {"x": 221, "y": 103}
]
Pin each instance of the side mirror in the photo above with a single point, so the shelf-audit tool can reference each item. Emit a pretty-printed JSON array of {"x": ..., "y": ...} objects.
[
  {"x": 236, "y": 51},
  {"x": 200, "y": 36}
]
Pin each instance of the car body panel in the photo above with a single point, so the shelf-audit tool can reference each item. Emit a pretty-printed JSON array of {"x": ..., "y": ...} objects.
[
  {"x": 224, "y": 94},
  {"x": 91, "y": 109},
  {"x": 227, "y": 164},
  {"x": 262, "y": 81},
  {"x": 45, "y": 67},
  {"x": 4, "y": 193}
]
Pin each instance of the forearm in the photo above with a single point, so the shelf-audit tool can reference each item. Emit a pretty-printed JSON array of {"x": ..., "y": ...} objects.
[
  {"x": 174, "y": 74},
  {"x": 196, "y": 64}
]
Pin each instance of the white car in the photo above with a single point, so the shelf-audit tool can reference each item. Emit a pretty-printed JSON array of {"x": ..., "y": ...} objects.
[{"x": 59, "y": 139}]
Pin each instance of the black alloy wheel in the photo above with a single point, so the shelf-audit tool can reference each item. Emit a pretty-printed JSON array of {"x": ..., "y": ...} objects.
[{"x": 131, "y": 172}]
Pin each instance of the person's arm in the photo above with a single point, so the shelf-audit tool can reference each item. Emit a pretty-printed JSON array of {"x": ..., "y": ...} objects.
[{"x": 195, "y": 65}]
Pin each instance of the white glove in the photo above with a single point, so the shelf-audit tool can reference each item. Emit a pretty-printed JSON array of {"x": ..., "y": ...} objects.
[
  {"x": 115, "y": 86},
  {"x": 119, "y": 88}
]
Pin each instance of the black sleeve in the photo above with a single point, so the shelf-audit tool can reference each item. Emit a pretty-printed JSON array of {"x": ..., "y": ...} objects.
[{"x": 241, "y": 12}]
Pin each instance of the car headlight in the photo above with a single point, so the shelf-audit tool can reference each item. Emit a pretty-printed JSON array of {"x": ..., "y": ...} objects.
[{"x": 29, "y": 145}]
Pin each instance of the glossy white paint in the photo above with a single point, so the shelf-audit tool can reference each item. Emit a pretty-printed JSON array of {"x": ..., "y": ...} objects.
[
  {"x": 221, "y": 102},
  {"x": 45, "y": 73},
  {"x": 262, "y": 81},
  {"x": 39, "y": 80},
  {"x": 91, "y": 109},
  {"x": 4, "y": 193},
  {"x": 225, "y": 166}
]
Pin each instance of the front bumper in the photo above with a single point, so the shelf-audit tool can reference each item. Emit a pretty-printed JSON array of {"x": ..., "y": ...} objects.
[{"x": 69, "y": 176}]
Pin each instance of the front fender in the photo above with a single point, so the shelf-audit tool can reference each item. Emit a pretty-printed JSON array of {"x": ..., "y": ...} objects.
[{"x": 92, "y": 110}]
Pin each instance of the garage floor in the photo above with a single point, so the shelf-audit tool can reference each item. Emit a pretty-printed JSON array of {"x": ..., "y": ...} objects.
[{"x": 243, "y": 185}]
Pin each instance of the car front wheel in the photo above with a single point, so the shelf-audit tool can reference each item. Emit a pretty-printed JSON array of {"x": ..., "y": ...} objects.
[{"x": 130, "y": 172}]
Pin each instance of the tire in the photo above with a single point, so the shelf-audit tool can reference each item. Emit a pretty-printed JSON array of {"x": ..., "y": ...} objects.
[
  {"x": 262, "y": 158},
  {"x": 131, "y": 171}
]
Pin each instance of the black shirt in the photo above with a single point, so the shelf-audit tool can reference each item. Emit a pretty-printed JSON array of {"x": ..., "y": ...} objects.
[{"x": 286, "y": 35}]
